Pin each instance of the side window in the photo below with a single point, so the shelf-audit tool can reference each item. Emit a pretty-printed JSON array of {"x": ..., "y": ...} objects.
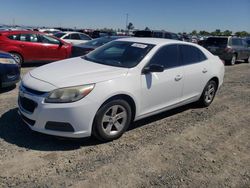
[
  {"x": 168, "y": 56},
  {"x": 84, "y": 37},
  {"x": 49, "y": 40},
  {"x": 14, "y": 37},
  {"x": 237, "y": 42},
  {"x": 191, "y": 54},
  {"x": 75, "y": 36},
  {"x": 67, "y": 37},
  {"x": 29, "y": 38}
]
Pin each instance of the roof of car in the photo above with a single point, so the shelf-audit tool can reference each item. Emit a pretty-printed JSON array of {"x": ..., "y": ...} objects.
[
  {"x": 154, "y": 41},
  {"x": 71, "y": 32},
  {"x": 20, "y": 31}
]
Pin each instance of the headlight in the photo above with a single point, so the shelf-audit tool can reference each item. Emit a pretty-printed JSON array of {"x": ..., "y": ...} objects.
[
  {"x": 7, "y": 61},
  {"x": 70, "y": 94}
]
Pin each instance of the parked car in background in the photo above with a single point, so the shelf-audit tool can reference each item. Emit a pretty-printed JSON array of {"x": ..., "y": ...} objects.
[
  {"x": 98, "y": 34},
  {"x": 156, "y": 34},
  {"x": 49, "y": 31},
  {"x": 229, "y": 49},
  {"x": 247, "y": 40},
  {"x": 83, "y": 49},
  {"x": 127, "y": 79},
  {"x": 32, "y": 46},
  {"x": 73, "y": 37},
  {"x": 9, "y": 70}
]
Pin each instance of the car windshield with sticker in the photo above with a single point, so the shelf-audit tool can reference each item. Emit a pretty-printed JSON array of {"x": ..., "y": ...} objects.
[{"x": 120, "y": 54}]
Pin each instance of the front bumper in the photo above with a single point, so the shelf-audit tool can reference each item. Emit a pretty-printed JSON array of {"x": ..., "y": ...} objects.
[{"x": 78, "y": 114}]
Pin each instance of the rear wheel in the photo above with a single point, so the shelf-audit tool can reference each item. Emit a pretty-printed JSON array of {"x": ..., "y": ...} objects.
[
  {"x": 18, "y": 58},
  {"x": 112, "y": 120},
  {"x": 208, "y": 93},
  {"x": 233, "y": 60},
  {"x": 247, "y": 60}
]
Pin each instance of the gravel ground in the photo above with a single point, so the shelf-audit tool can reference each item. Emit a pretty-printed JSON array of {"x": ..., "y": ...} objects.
[{"x": 184, "y": 147}]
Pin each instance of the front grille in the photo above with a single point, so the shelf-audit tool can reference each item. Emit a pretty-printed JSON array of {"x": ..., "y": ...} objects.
[
  {"x": 32, "y": 91},
  {"x": 27, "y": 104}
]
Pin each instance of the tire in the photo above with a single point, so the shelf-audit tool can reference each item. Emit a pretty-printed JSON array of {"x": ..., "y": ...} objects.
[
  {"x": 247, "y": 60},
  {"x": 208, "y": 94},
  {"x": 233, "y": 60},
  {"x": 17, "y": 57},
  {"x": 112, "y": 120}
]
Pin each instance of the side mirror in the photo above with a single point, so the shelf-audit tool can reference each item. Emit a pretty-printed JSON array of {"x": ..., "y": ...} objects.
[{"x": 153, "y": 68}]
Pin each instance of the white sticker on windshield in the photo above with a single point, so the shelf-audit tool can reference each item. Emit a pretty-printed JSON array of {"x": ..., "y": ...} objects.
[{"x": 139, "y": 45}]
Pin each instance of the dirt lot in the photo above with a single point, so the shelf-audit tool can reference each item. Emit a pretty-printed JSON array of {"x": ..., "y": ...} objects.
[{"x": 186, "y": 147}]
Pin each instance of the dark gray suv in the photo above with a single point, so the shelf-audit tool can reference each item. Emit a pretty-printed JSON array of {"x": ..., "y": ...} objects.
[{"x": 229, "y": 49}]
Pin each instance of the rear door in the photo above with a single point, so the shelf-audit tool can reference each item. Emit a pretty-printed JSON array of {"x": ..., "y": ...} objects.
[
  {"x": 196, "y": 71},
  {"x": 32, "y": 50}
]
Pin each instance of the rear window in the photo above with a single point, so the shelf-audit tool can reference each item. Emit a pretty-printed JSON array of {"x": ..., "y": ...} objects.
[
  {"x": 215, "y": 41},
  {"x": 191, "y": 54},
  {"x": 143, "y": 34},
  {"x": 158, "y": 34}
]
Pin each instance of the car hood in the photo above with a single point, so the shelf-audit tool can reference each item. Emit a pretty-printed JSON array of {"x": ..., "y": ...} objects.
[{"x": 76, "y": 71}]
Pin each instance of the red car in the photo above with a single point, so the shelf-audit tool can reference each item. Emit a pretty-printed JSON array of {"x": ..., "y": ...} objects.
[{"x": 32, "y": 46}]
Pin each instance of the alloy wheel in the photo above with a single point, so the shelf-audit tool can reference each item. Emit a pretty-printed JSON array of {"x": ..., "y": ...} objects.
[
  {"x": 233, "y": 60},
  {"x": 209, "y": 93},
  {"x": 114, "y": 120}
]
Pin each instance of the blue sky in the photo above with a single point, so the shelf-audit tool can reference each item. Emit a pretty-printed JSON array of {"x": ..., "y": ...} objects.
[{"x": 171, "y": 15}]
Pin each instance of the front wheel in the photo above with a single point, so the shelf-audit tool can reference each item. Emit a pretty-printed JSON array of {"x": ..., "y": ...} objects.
[
  {"x": 112, "y": 120},
  {"x": 208, "y": 94}
]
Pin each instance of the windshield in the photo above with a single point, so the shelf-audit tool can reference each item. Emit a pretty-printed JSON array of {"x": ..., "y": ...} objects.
[
  {"x": 120, "y": 54},
  {"x": 59, "y": 35}
]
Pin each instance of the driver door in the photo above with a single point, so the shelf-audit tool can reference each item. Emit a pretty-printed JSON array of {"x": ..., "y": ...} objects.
[{"x": 52, "y": 48}]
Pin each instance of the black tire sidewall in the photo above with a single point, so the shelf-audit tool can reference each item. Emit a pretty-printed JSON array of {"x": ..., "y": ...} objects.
[{"x": 97, "y": 130}]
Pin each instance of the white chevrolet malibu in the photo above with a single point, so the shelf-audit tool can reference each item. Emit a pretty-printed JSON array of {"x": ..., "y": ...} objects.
[{"x": 125, "y": 80}]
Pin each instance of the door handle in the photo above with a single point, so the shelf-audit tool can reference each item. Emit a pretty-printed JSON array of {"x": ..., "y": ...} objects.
[
  {"x": 22, "y": 45},
  {"x": 178, "y": 77},
  {"x": 204, "y": 70}
]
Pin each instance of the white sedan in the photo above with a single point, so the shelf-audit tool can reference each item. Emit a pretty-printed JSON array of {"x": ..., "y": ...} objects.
[
  {"x": 73, "y": 37},
  {"x": 125, "y": 80}
]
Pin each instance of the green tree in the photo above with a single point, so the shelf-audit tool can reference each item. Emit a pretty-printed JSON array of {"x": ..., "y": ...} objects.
[
  {"x": 227, "y": 33},
  {"x": 130, "y": 26},
  {"x": 242, "y": 34},
  {"x": 204, "y": 33},
  {"x": 194, "y": 32},
  {"x": 147, "y": 29},
  {"x": 217, "y": 32}
]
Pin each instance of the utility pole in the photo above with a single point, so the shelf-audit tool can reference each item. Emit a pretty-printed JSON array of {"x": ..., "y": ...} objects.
[{"x": 13, "y": 22}]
